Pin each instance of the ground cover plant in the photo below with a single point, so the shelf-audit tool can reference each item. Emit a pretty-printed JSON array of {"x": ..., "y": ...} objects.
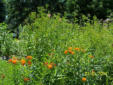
[{"x": 53, "y": 51}]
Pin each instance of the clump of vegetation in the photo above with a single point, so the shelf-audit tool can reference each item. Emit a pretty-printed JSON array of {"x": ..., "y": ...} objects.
[{"x": 58, "y": 52}]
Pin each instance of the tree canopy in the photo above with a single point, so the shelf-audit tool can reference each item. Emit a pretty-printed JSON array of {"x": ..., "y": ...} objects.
[
  {"x": 2, "y": 11},
  {"x": 18, "y": 10}
]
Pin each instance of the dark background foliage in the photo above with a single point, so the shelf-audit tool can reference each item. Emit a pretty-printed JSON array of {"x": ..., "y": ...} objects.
[
  {"x": 2, "y": 11},
  {"x": 18, "y": 10}
]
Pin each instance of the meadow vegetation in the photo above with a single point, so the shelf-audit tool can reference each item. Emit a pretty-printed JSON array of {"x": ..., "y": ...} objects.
[{"x": 53, "y": 51}]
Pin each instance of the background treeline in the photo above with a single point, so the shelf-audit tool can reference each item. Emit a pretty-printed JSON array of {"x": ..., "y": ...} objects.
[
  {"x": 2, "y": 11},
  {"x": 18, "y": 10}
]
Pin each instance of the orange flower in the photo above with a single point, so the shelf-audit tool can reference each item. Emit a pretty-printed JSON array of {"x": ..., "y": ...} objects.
[
  {"x": 77, "y": 49},
  {"x": 50, "y": 66},
  {"x": 84, "y": 79},
  {"x": 14, "y": 61},
  {"x": 71, "y": 52},
  {"x": 23, "y": 62},
  {"x": 70, "y": 48},
  {"x": 26, "y": 79},
  {"x": 29, "y": 57},
  {"x": 14, "y": 58},
  {"x": 10, "y": 60},
  {"x": 91, "y": 56},
  {"x": 65, "y": 52},
  {"x": 29, "y": 62}
]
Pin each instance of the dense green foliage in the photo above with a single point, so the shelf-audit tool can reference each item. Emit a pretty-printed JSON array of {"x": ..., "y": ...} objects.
[
  {"x": 2, "y": 11},
  {"x": 89, "y": 52},
  {"x": 100, "y": 8},
  {"x": 59, "y": 52},
  {"x": 18, "y": 10}
]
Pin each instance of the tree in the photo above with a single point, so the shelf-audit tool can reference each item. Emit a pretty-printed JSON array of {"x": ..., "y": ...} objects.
[{"x": 2, "y": 11}]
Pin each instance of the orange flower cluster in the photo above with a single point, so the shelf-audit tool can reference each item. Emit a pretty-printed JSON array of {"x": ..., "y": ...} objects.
[
  {"x": 13, "y": 60},
  {"x": 49, "y": 66},
  {"x": 69, "y": 51},
  {"x": 10, "y": 60},
  {"x": 22, "y": 61},
  {"x": 77, "y": 49},
  {"x": 29, "y": 57},
  {"x": 29, "y": 63}
]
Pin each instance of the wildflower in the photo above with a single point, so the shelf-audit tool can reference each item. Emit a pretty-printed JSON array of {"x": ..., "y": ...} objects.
[
  {"x": 50, "y": 66},
  {"x": 23, "y": 62},
  {"x": 29, "y": 57},
  {"x": 14, "y": 58},
  {"x": 84, "y": 79},
  {"x": 91, "y": 56},
  {"x": 14, "y": 61},
  {"x": 29, "y": 62},
  {"x": 46, "y": 63},
  {"x": 70, "y": 48},
  {"x": 77, "y": 49},
  {"x": 71, "y": 52},
  {"x": 65, "y": 52},
  {"x": 26, "y": 79},
  {"x": 10, "y": 60},
  {"x": 53, "y": 64},
  {"x": 49, "y": 15}
]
